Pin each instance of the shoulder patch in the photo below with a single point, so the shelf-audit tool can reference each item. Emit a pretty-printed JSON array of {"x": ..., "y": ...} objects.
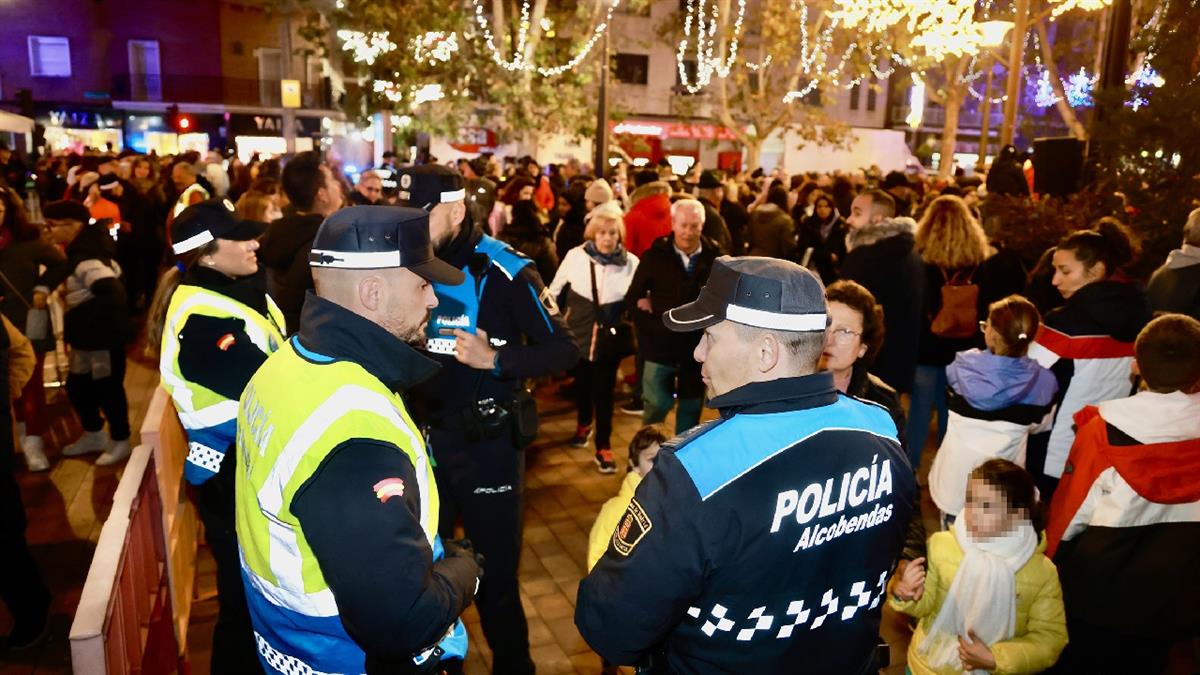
[
  {"x": 691, "y": 434},
  {"x": 632, "y": 529},
  {"x": 502, "y": 256}
]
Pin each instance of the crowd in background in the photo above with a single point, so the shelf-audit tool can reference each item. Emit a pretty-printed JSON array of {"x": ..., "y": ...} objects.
[{"x": 995, "y": 363}]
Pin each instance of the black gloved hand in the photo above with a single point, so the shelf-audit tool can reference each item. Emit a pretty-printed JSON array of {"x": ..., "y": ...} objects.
[{"x": 462, "y": 548}]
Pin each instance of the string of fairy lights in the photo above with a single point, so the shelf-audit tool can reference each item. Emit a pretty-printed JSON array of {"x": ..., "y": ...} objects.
[{"x": 939, "y": 29}]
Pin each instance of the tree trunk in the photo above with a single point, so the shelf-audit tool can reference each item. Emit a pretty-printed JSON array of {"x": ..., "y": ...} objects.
[
  {"x": 1064, "y": 107},
  {"x": 954, "y": 101},
  {"x": 753, "y": 153}
]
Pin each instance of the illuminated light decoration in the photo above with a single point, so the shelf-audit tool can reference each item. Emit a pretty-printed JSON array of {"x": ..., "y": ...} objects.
[
  {"x": 518, "y": 62},
  {"x": 427, "y": 93},
  {"x": 1045, "y": 96},
  {"x": 1145, "y": 76},
  {"x": 916, "y": 103},
  {"x": 680, "y": 164},
  {"x": 389, "y": 89},
  {"x": 1086, "y": 5},
  {"x": 706, "y": 41},
  {"x": 366, "y": 46},
  {"x": 403, "y": 121},
  {"x": 755, "y": 67},
  {"x": 1078, "y": 88},
  {"x": 435, "y": 47}
]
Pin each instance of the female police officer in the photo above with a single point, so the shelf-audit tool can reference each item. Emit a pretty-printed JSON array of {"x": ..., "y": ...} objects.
[{"x": 218, "y": 328}]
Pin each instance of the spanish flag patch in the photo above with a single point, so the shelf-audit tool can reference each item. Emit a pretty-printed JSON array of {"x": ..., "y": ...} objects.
[
  {"x": 226, "y": 341},
  {"x": 388, "y": 488}
]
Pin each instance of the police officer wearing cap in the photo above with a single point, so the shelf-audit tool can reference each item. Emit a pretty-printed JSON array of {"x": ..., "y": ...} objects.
[
  {"x": 337, "y": 507},
  {"x": 762, "y": 541},
  {"x": 213, "y": 325},
  {"x": 494, "y": 328}
]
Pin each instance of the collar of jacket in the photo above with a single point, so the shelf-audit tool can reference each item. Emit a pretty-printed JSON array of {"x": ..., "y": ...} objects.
[
  {"x": 461, "y": 248},
  {"x": 334, "y": 331},
  {"x": 859, "y": 379},
  {"x": 250, "y": 290},
  {"x": 788, "y": 393},
  {"x": 93, "y": 241},
  {"x": 884, "y": 229},
  {"x": 658, "y": 187},
  {"x": 1185, "y": 256}
]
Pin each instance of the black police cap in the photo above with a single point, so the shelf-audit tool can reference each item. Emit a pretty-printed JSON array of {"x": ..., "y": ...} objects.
[
  {"x": 754, "y": 291},
  {"x": 207, "y": 221},
  {"x": 380, "y": 237},
  {"x": 426, "y": 185}
]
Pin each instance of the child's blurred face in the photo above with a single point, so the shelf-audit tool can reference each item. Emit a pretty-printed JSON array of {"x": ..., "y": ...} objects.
[
  {"x": 646, "y": 460},
  {"x": 987, "y": 512}
]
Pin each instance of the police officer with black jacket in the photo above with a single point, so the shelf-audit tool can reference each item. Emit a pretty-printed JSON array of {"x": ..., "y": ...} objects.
[
  {"x": 762, "y": 541},
  {"x": 490, "y": 332}
]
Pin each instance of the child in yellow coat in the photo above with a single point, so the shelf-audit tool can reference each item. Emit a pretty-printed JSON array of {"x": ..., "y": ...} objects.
[
  {"x": 990, "y": 600},
  {"x": 642, "y": 451}
]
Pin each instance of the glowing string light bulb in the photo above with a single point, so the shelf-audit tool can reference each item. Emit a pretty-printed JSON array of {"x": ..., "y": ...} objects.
[
  {"x": 519, "y": 62},
  {"x": 366, "y": 46},
  {"x": 434, "y": 47}
]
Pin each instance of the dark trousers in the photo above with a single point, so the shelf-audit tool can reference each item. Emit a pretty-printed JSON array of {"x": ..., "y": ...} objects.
[
  {"x": 21, "y": 585},
  {"x": 91, "y": 395},
  {"x": 234, "y": 649},
  {"x": 594, "y": 383},
  {"x": 483, "y": 482},
  {"x": 1094, "y": 650}
]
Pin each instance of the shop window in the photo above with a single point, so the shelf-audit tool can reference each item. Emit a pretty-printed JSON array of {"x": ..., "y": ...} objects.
[
  {"x": 49, "y": 56},
  {"x": 270, "y": 72},
  {"x": 631, "y": 68},
  {"x": 855, "y": 95}
]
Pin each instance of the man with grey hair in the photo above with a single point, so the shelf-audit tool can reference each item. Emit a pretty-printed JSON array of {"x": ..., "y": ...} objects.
[
  {"x": 369, "y": 190},
  {"x": 671, "y": 273},
  {"x": 765, "y": 538},
  {"x": 1175, "y": 287}
]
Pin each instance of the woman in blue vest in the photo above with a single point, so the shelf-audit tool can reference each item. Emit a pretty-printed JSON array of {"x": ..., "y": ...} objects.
[{"x": 214, "y": 325}]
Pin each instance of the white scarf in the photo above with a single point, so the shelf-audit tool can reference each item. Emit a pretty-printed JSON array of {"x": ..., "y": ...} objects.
[{"x": 983, "y": 595}]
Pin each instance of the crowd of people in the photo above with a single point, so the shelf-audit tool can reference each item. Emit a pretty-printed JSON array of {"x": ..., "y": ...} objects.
[{"x": 1059, "y": 397}]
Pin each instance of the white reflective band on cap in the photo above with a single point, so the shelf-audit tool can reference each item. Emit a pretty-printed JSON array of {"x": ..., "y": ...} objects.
[
  {"x": 454, "y": 196},
  {"x": 774, "y": 320},
  {"x": 355, "y": 260},
  {"x": 192, "y": 242}
]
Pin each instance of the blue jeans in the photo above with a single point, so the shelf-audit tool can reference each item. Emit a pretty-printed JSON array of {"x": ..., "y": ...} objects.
[
  {"x": 658, "y": 395},
  {"x": 929, "y": 391}
]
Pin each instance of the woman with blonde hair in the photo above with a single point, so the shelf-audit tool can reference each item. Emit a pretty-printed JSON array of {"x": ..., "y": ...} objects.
[
  {"x": 963, "y": 277},
  {"x": 595, "y": 277}
]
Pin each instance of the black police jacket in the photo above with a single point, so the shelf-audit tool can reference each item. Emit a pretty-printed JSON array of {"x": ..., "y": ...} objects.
[
  {"x": 759, "y": 543},
  {"x": 520, "y": 319}
]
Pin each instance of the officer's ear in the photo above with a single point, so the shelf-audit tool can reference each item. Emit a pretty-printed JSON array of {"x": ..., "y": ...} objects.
[
  {"x": 458, "y": 211},
  {"x": 768, "y": 351},
  {"x": 370, "y": 292}
]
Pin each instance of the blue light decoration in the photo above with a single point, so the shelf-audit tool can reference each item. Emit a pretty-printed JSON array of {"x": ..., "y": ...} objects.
[
  {"x": 1141, "y": 82},
  {"x": 1044, "y": 96},
  {"x": 1078, "y": 88}
]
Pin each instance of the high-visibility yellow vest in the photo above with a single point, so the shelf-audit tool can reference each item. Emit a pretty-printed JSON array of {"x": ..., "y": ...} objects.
[
  {"x": 295, "y": 411},
  {"x": 208, "y": 417},
  {"x": 185, "y": 198}
]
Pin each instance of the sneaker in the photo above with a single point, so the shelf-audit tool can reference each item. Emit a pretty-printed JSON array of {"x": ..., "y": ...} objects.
[
  {"x": 583, "y": 434},
  {"x": 90, "y": 441},
  {"x": 116, "y": 454},
  {"x": 633, "y": 407},
  {"x": 604, "y": 461},
  {"x": 35, "y": 453}
]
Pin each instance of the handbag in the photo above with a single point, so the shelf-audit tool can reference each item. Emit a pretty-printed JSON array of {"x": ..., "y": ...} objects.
[
  {"x": 610, "y": 341},
  {"x": 959, "y": 315},
  {"x": 37, "y": 321}
]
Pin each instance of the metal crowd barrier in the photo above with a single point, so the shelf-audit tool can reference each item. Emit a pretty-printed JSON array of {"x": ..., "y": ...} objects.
[{"x": 133, "y": 613}]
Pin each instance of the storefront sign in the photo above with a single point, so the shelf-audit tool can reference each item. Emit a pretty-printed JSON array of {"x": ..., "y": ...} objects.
[
  {"x": 272, "y": 125},
  {"x": 474, "y": 140},
  {"x": 702, "y": 132},
  {"x": 81, "y": 119}
]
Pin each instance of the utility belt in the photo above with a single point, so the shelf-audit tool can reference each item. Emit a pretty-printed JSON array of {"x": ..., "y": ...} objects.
[{"x": 491, "y": 417}]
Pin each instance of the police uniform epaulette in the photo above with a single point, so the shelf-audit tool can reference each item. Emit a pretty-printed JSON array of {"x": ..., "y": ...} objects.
[
  {"x": 502, "y": 255},
  {"x": 692, "y": 434}
]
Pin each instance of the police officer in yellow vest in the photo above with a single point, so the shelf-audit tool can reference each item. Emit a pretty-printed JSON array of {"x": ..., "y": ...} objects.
[
  {"x": 337, "y": 507},
  {"x": 217, "y": 329}
]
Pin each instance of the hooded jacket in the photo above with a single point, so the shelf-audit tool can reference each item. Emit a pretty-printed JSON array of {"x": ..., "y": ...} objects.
[
  {"x": 1041, "y": 628},
  {"x": 995, "y": 403},
  {"x": 881, "y": 257},
  {"x": 1088, "y": 344},
  {"x": 1124, "y": 525},
  {"x": 283, "y": 250},
  {"x": 649, "y": 218},
  {"x": 1175, "y": 287}
]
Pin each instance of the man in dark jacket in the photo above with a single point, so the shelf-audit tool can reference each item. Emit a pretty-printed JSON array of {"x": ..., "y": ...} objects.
[
  {"x": 737, "y": 554},
  {"x": 671, "y": 273},
  {"x": 1175, "y": 287},
  {"x": 715, "y": 228},
  {"x": 881, "y": 257},
  {"x": 1007, "y": 177},
  {"x": 314, "y": 193}
]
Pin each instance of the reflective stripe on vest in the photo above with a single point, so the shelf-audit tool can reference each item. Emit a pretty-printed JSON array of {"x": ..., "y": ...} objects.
[
  {"x": 206, "y": 416},
  {"x": 185, "y": 197},
  {"x": 293, "y": 413}
]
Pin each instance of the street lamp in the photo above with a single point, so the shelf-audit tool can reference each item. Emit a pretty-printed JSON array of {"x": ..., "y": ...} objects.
[{"x": 993, "y": 36}]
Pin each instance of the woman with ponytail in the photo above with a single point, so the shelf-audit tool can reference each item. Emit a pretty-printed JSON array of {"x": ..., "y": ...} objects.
[
  {"x": 213, "y": 325},
  {"x": 1088, "y": 341},
  {"x": 998, "y": 396}
]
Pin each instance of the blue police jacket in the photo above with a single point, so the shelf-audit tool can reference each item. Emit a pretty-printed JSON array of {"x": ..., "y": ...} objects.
[
  {"x": 504, "y": 295},
  {"x": 760, "y": 542}
]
